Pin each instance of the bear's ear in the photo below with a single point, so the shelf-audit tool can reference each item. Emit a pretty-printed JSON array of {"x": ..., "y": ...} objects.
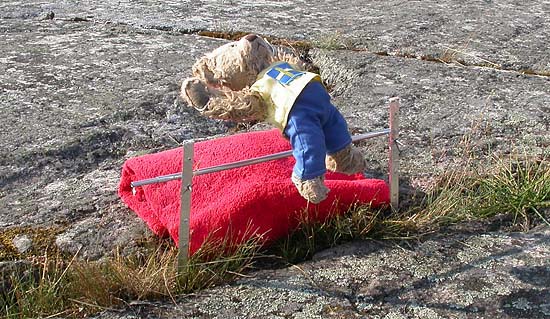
[
  {"x": 282, "y": 55},
  {"x": 201, "y": 70},
  {"x": 196, "y": 93}
]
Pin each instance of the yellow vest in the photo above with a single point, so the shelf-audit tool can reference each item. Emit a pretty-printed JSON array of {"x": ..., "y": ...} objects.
[{"x": 279, "y": 85}]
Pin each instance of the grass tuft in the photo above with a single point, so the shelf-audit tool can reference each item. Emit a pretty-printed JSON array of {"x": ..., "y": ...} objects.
[
  {"x": 517, "y": 185},
  {"x": 358, "y": 223},
  {"x": 80, "y": 287},
  {"x": 38, "y": 293},
  {"x": 520, "y": 187}
]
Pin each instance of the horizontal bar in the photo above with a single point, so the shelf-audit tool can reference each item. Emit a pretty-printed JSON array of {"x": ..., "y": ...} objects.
[
  {"x": 246, "y": 162},
  {"x": 365, "y": 136}
]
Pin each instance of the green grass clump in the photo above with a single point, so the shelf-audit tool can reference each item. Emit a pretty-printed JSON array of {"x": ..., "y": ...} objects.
[
  {"x": 79, "y": 288},
  {"x": 518, "y": 186},
  {"x": 358, "y": 223},
  {"x": 37, "y": 292}
]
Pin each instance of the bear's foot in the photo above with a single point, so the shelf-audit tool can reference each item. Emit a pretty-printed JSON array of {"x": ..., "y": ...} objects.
[
  {"x": 347, "y": 161},
  {"x": 313, "y": 190}
]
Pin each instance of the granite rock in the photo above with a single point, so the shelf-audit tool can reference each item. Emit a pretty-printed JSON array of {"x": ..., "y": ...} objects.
[
  {"x": 85, "y": 85},
  {"x": 506, "y": 34},
  {"x": 489, "y": 275}
]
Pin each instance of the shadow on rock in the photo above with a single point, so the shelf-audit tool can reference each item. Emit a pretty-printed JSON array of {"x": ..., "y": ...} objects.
[{"x": 527, "y": 303}]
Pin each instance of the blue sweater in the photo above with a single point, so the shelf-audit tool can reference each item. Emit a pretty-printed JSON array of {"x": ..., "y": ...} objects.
[{"x": 315, "y": 128}]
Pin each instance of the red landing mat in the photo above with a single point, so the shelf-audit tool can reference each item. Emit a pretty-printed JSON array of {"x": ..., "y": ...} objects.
[{"x": 239, "y": 203}]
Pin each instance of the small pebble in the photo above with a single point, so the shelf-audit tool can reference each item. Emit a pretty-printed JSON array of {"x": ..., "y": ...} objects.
[
  {"x": 48, "y": 15},
  {"x": 23, "y": 243}
]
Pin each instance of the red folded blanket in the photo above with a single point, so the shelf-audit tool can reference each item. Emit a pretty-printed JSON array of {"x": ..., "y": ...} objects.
[{"x": 237, "y": 203}]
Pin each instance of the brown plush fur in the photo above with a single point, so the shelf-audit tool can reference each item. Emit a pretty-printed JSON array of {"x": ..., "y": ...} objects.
[
  {"x": 314, "y": 190},
  {"x": 347, "y": 161},
  {"x": 223, "y": 78}
]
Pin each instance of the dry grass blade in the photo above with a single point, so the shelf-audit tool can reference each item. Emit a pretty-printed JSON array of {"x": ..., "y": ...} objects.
[{"x": 517, "y": 185}]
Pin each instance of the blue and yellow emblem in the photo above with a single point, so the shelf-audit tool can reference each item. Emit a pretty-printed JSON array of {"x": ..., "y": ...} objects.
[{"x": 284, "y": 73}]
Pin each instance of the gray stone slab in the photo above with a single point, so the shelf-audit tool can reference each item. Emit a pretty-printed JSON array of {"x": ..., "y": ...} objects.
[
  {"x": 74, "y": 96},
  {"x": 449, "y": 114},
  {"x": 504, "y": 34},
  {"x": 80, "y": 98},
  {"x": 98, "y": 84},
  {"x": 452, "y": 276},
  {"x": 76, "y": 101}
]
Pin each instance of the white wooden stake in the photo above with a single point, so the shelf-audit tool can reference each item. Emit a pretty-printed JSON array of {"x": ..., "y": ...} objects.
[
  {"x": 185, "y": 205},
  {"x": 394, "y": 154}
]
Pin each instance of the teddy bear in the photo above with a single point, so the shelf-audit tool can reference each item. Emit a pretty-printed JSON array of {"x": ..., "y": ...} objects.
[{"x": 251, "y": 80}]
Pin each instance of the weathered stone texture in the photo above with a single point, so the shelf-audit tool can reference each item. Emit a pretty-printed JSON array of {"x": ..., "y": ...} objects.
[
  {"x": 85, "y": 85},
  {"x": 77, "y": 99},
  {"x": 448, "y": 113},
  {"x": 507, "y": 33},
  {"x": 76, "y": 95},
  {"x": 490, "y": 275}
]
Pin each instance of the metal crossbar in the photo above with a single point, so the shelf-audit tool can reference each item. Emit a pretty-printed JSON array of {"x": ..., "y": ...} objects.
[
  {"x": 187, "y": 174},
  {"x": 246, "y": 162}
]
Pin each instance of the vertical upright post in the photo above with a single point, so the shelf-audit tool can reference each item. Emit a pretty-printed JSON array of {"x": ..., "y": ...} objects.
[
  {"x": 185, "y": 204},
  {"x": 394, "y": 153}
]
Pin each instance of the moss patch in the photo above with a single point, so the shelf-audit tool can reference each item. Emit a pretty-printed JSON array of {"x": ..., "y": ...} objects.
[
  {"x": 233, "y": 36},
  {"x": 43, "y": 241}
]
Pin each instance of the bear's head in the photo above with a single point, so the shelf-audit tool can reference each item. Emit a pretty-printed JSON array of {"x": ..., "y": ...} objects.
[
  {"x": 219, "y": 87},
  {"x": 235, "y": 65}
]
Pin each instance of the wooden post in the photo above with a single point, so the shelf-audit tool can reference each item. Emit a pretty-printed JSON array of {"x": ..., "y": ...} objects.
[
  {"x": 394, "y": 154},
  {"x": 185, "y": 205}
]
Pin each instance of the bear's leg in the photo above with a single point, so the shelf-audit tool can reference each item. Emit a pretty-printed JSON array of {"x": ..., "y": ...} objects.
[
  {"x": 347, "y": 161},
  {"x": 342, "y": 156},
  {"x": 308, "y": 148}
]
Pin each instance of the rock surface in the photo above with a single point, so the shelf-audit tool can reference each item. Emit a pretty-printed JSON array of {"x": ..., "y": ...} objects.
[
  {"x": 85, "y": 85},
  {"x": 491, "y": 275},
  {"x": 505, "y": 33},
  {"x": 442, "y": 106},
  {"x": 77, "y": 100}
]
